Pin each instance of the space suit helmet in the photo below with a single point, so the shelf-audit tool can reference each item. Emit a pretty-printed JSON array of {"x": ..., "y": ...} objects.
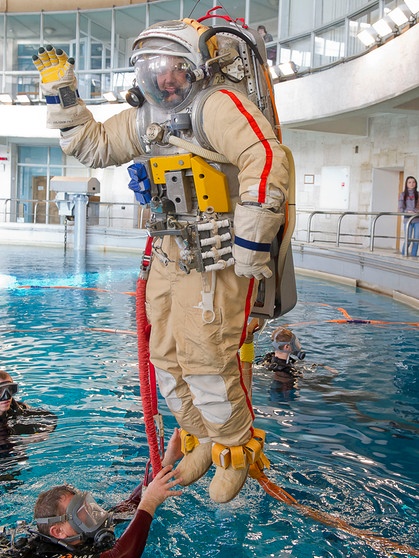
[{"x": 164, "y": 57}]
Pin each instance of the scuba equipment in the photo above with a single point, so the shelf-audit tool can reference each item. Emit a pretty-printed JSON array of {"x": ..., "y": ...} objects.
[
  {"x": 87, "y": 518},
  {"x": 295, "y": 352},
  {"x": 8, "y": 390},
  {"x": 23, "y": 541}
]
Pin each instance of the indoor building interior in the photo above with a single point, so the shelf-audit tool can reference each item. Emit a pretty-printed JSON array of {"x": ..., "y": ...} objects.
[{"x": 347, "y": 92}]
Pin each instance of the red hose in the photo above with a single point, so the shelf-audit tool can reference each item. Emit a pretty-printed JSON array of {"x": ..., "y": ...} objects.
[{"x": 146, "y": 370}]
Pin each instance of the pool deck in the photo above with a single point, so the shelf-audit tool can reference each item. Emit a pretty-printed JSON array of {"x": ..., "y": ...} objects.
[{"x": 383, "y": 271}]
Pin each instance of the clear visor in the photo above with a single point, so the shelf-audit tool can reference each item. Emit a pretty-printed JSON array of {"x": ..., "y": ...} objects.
[
  {"x": 295, "y": 344},
  {"x": 163, "y": 79},
  {"x": 85, "y": 514}
]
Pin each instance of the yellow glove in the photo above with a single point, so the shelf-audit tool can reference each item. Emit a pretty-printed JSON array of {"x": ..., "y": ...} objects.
[
  {"x": 65, "y": 109},
  {"x": 52, "y": 64}
]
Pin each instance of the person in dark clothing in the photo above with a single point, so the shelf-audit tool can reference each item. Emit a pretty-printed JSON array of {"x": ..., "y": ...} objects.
[
  {"x": 18, "y": 418},
  {"x": 71, "y": 523},
  {"x": 282, "y": 363},
  {"x": 287, "y": 352},
  {"x": 20, "y": 425},
  {"x": 267, "y": 38}
]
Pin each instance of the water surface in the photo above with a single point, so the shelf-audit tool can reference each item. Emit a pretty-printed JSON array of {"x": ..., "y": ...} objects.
[{"x": 343, "y": 440}]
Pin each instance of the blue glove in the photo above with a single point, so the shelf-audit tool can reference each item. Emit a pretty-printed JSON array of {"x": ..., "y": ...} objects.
[{"x": 140, "y": 183}]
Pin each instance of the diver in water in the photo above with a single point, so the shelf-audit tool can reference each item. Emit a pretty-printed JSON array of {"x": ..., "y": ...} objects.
[
  {"x": 71, "y": 523},
  {"x": 287, "y": 352},
  {"x": 17, "y": 417},
  {"x": 20, "y": 425}
]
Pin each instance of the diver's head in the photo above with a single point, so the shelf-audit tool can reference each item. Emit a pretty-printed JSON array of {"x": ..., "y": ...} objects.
[
  {"x": 288, "y": 344},
  {"x": 164, "y": 57},
  {"x": 8, "y": 388},
  {"x": 67, "y": 514}
]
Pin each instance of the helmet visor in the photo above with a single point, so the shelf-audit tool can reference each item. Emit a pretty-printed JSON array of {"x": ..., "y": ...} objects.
[{"x": 163, "y": 79}]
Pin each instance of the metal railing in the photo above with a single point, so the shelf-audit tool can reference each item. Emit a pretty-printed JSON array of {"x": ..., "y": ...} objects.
[
  {"x": 127, "y": 215},
  {"x": 370, "y": 234},
  {"x": 134, "y": 216}
]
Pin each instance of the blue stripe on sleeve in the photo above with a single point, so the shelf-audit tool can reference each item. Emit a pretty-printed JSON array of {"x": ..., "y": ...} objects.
[
  {"x": 52, "y": 99},
  {"x": 256, "y": 246}
]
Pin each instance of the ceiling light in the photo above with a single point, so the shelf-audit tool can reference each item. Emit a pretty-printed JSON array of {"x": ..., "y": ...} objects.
[
  {"x": 399, "y": 16},
  {"x": 6, "y": 99},
  {"x": 413, "y": 5},
  {"x": 368, "y": 37},
  {"x": 23, "y": 99},
  {"x": 382, "y": 27},
  {"x": 287, "y": 69}
]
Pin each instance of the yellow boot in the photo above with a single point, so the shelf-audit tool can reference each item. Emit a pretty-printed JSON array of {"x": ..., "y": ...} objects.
[
  {"x": 233, "y": 466},
  {"x": 197, "y": 458}
]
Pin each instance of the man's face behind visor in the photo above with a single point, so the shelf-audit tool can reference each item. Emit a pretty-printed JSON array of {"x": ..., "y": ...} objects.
[{"x": 163, "y": 79}]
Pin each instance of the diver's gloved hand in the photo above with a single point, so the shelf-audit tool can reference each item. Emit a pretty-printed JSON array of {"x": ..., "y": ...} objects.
[
  {"x": 254, "y": 230},
  {"x": 59, "y": 85}
]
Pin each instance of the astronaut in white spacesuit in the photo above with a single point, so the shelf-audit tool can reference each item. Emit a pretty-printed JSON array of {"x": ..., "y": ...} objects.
[{"x": 217, "y": 180}]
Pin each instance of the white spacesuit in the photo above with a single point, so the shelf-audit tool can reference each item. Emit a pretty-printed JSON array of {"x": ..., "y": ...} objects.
[{"x": 212, "y": 158}]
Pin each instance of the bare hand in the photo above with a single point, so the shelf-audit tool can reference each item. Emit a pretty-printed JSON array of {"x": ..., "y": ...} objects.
[
  {"x": 159, "y": 490},
  {"x": 173, "y": 451}
]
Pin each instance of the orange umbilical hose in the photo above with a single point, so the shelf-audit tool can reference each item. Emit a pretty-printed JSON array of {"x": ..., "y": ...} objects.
[
  {"x": 143, "y": 334},
  {"x": 376, "y": 541}
]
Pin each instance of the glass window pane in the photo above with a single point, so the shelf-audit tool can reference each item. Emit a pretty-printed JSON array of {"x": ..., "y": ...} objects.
[
  {"x": 194, "y": 10},
  {"x": 21, "y": 30},
  {"x": 298, "y": 52},
  {"x": 129, "y": 22},
  {"x": 266, "y": 14},
  {"x": 358, "y": 24},
  {"x": 164, "y": 11},
  {"x": 60, "y": 29},
  {"x": 329, "y": 46},
  {"x": 300, "y": 16},
  {"x": 56, "y": 156},
  {"x": 328, "y": 11},
  {"x": 32, "y": 155}
]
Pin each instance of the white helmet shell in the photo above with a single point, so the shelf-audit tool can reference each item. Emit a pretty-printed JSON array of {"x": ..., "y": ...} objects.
[{"x": 175, "y": 31}]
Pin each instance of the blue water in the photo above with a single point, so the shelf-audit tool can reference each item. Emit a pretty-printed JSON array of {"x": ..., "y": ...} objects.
[{"x": 344, "y": 440}]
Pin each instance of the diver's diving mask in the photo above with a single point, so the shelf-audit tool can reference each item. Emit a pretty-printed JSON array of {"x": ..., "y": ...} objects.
[
  {"x": 85, "y": 516},
  {"x": 294, "y": 342},
  {"x": 7, "y": 390}
]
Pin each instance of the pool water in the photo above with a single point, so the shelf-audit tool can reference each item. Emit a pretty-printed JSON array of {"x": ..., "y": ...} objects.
[{"x": 344, "y": 440}]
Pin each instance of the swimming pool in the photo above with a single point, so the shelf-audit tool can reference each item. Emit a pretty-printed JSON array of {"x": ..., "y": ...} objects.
[{"x": 343, "y": 441}]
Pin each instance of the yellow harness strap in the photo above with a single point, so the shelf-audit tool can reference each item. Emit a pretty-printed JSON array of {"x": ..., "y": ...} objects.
[
  {"x": 238, "y": 456},
  {"x": 187, "y": 442}
]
